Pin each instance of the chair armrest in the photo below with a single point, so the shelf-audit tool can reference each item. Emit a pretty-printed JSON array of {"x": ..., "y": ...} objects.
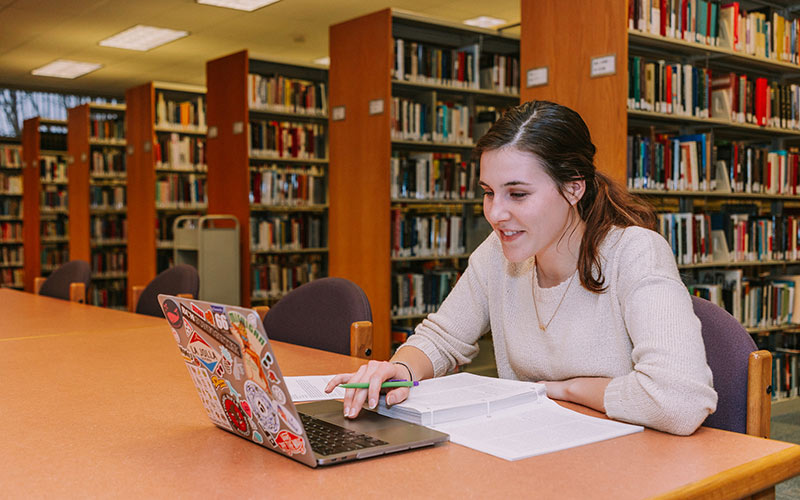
[
  {"x": 77, "y": 292},
  {"x": 759, "y": 393},
  {"x": 262, "y": 311},
  {"x": 37, "y": 284},
  {"x": 361, "y": 339},
  {"x": 133, "y": 300}
]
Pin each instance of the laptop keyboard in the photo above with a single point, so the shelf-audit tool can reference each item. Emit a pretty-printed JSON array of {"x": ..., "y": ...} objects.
[{"x": 327, "y": 438}]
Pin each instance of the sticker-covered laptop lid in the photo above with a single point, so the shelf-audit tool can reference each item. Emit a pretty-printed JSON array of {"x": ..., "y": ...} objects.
[{"x": 234, "y": 370}]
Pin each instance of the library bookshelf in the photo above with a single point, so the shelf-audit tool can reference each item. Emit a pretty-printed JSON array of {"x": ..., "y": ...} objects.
[
  {"x": 97, "y": 206},
  {"x": 268, "y": 166},
  {"x": 166, "y": 163},
  {"x": 44, "y": 200},
  {"x": 635, "y": 129},
  {"x": 11, "y": 253},
  {"x": 368, "y": 139}
]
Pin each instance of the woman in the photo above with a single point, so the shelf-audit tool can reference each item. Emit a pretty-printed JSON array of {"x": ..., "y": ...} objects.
[{"x": 577, "y": 289}]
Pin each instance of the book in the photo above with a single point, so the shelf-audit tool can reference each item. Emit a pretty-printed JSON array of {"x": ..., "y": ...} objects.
[{"x": 509, "y": 419}]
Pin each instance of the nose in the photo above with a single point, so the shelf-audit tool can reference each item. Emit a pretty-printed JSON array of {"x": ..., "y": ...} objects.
[{"x": 494, "y": 210}]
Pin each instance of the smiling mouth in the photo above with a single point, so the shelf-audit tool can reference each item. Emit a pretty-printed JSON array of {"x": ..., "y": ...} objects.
[{"x": 510, "y": 233}]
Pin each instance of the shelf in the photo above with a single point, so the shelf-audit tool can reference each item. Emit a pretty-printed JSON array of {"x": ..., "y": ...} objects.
[
  {"x": 399, "y": 317},
  {"x": 11, "y": 265},
  {"x": 178, "y": 208},
  {"x": 754, "y": 263},
  {"x": 181, "y": 169},
  {"x": 107, "y": 141},
  {"x": 317, "y": 116},
  {"x": 111, "y": 275},
  {"x": 108, "y": 243},
  {"x": 11, "y": 242},
  {"x": 710, "y": 122},
  {"x": 11, "y": 195},
  {"x": 106, "y": 211},
  {"x": 255, "y": 251},
  {"x": 55, "y": 241},
  {"x": 416, "y": 201},
  {"x": 640, "y": 39},
  {"x": 60, "y": 182},
  {"x": 399, "y": 143},
  {"x": 714, "y": 194},
  {"x": 430, "y": 257},
  {"x": 259, "y": 155},
  {"x": 181, "y": 129},
  {"x": 287, "y": 208},
  {"x": 452, "y": 89},
  {"x": 11, "y": 218}
]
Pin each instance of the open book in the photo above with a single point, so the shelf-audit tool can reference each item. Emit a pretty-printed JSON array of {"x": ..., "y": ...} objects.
[{"x": 506, "y": 418}]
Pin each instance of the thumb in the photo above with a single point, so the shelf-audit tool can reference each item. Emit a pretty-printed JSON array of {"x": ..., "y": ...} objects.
[{"x": 397, "y": 395}]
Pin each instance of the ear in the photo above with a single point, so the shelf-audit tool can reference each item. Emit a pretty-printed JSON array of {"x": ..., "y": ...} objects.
[{"x": 574, "y": 190}]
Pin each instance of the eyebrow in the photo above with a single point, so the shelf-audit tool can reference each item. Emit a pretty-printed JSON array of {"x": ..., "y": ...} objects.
[{"x": 509, "y": 183}]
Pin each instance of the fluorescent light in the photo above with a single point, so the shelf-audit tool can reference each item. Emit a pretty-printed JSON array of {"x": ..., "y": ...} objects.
[
  {"x": 142, "y": 38},
  {"x": 246, "y": 5},
  {"x": 323, "y": 61},
  {"x": 64, "y": 68},
  {"x": 485, "y": 22}
]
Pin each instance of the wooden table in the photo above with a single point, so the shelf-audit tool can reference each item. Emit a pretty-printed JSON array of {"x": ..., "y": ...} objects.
[{"x": 96, "y": 409}]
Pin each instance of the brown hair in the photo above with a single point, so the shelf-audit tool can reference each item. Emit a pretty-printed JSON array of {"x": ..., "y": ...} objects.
[{"x": 560, "y": 139}]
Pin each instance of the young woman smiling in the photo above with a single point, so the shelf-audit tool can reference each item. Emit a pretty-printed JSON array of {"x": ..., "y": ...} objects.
[{"x": 577, "y": 289}]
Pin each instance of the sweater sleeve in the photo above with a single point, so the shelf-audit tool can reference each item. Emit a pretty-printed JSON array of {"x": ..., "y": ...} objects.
[
  {"x": 670, "y": 387},
  {"x": 449, "y": 336}
]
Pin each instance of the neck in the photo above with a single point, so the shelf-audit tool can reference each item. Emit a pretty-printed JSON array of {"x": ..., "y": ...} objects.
[{"x": 558, "y": 262}]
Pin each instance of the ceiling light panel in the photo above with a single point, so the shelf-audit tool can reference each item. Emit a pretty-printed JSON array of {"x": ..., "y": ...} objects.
[
  {"x": 246, "y": 5},
  {"x": 143, "y": 38},
  {"x": 485, "y": 22},
  {"x": 64, "y": 68}
]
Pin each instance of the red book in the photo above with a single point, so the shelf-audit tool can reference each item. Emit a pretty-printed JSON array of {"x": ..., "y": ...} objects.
[
  {"x": 762, "y": 94},
  {"x": 664, "y": 16}
]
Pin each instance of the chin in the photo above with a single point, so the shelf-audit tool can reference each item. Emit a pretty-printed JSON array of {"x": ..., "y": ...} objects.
[{"x": 515, "y": 255}]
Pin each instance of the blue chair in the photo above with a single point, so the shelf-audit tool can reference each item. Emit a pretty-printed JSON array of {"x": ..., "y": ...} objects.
[
  {"x": 742, "y": 374},
  {"x": 332, "y": 314},
  {"x": 69, "y": 282},
  {"x": 181, "y": 280}
]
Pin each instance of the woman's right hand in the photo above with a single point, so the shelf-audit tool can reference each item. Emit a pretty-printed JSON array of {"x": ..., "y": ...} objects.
[{"x": 375, "y": 373}]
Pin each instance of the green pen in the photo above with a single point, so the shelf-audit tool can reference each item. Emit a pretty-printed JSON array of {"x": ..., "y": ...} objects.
[{"x": 387, "y": 384}]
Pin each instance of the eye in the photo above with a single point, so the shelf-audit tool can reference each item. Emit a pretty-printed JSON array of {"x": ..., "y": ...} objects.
[
  {"x": 488, "y": 194},
  {"x": 518, "y": 195}
]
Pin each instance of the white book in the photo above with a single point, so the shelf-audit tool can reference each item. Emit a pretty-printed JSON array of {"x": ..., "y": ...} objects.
[{"x": 506, "y": 418}]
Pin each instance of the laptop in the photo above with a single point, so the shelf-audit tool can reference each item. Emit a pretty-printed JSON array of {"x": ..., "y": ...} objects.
[{"x": 236, "y": 373}]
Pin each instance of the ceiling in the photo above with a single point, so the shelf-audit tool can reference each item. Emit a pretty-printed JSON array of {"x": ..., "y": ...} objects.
[{"x": 36, "y": 32}]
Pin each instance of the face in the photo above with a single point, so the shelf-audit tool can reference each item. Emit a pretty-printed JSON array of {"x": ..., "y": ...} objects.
[{"x": 523, "y": 204}]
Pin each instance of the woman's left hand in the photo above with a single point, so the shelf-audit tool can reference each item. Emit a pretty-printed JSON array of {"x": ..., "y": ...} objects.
[{"x": 586, "y": 391}]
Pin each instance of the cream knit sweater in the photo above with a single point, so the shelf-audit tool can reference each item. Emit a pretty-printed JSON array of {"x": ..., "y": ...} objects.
[{"x": 641, "y": 332}]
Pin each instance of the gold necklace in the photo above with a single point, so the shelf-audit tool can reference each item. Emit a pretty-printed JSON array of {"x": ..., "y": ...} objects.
[{"x": 538, "y": 317}]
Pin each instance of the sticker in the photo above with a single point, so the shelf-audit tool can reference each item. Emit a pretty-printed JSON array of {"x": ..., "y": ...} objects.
[
  {"x": 219, "y": 318},
  {"x": 176, "y": 335},
  {"x": 203, "y": 351},
  {"x": 278, "y": 394},
  {"x": 267, "y": 360},
  {"x": 290, "y": 443},
  {"x": 208, "y": 396},
  {"x": 272, "y": 441},
  {"x": 290, "y": 419},
  {"x": 173, "y": 313},
  {"x": 211, "y": 330},
  {"x": 238, "y": 369},
  {"x": 264, "y": 409},
  {"x": 234, "y": 391},
  {"x": 218, "y": 382},
  {"x": 252, "y": 370},
  {"x": 187, "y": 356},
  {"x": 246, "y": 408},
  {"x": 274, "y": 378},
  {"x": 248, "y": 332},
  {"x": 257, "y": 437},
  {"x": 227, "y": 359},
  {"x": 235, "y": 415}
]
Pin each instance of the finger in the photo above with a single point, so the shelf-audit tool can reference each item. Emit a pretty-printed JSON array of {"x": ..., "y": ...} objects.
[
  {"x": 349, "y": 394},
  {"x": 397, "y": 395},
  {"x": 375, "y": 374},
  {"x": 342, "y": 378}
]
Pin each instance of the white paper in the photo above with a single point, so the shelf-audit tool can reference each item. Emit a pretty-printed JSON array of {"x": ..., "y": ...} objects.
[
  {"x": 311, "y": 388},
  {"x": 532, "y": 429}
]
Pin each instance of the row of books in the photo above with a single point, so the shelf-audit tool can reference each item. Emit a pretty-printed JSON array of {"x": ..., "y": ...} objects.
[
  {"x": 55, "y": 228},
  {"x": 107, "y": 197},
  {"x": 104, "y": 128},
  {"x": 108, "y": 161},
  {"x": 10, "y": 231},
  {"x": 109, "y": 260},
  {"x": 10, "y": 184},
  {"x": 274, "y": 139},
  {"x": 287, "y": 232},
  {"x": 108, "y": 228},
  {"x": 53, "y": 256},
  {"x": 289, "y": 186},
  {"x": 762, "y": 32},
  {"x": 785, "y": 348},
  {"x": 185, "y": 113},
  {"x": 10, "y": 206},
  {"x": 452, "y": 123},
  {"x": 53, "y": 197},
  {"x": 110, "y": 294},
  {"x": 427, "y": 235},
  {"x": 180, "y": 189},
  {"x": 180, "y": 152},
  {"x": 410, "y": 120},
  {"x": 10, "y": 156},
  {"x": 11, "y": 256},
  {"x": 276, "y": 275},
  {"x": 54, "y": 140},
  {"x": 52, "y": 169},
  {"x": 287, "y": 95},
  {"x": 433, "y": 176},
  {"x": 11, "y": 277},
  {"x": 463, "y": 67},
  {"x": 730, "y": 237},
  {"x": 421, "y": 293}
]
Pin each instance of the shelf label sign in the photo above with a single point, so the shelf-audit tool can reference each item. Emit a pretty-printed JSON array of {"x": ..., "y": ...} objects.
[
  {"x": 536, "y": 77},
  {"x": 238, "y": 128},
  {"x": 603, "y": 65},
  {"x": 212, "y": 132},
  {"x": 376, "y": 107},
  {"x": 337, "y": 114},
  {"x": 84, "y": 157},
  {"x": 147, "y": 146},
  {"x": 130, "y": 149}
]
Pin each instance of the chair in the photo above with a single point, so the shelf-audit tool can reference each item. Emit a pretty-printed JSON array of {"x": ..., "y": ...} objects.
[
  {"x": 742, "y": 374},
  {"x": 68, "y": 282},
  {"x": 181, "y": 280},
  {"x": 332, "y": 314}
]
